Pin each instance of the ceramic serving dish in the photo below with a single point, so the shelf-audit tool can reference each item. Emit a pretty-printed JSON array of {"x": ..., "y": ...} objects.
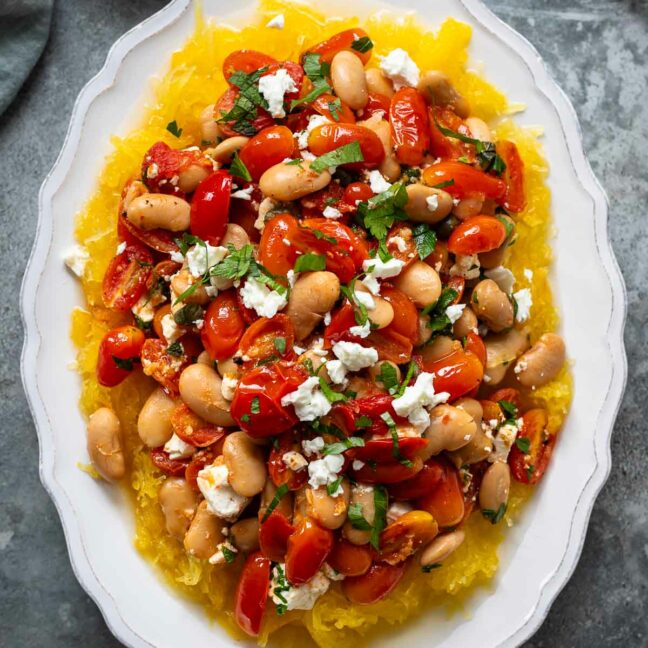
[{"x": 539, "y": 553}]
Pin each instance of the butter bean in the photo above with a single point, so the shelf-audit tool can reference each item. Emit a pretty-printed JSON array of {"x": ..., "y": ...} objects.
[{"x": 104, "y": 444}]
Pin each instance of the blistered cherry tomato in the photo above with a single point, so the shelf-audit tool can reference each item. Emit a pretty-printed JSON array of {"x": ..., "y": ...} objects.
[
  {"x": 477, "y": 234},
  {"x": 401, "y": 245},
  {"x": 349, "y": 559},
  {"x": 118, "y": 350},
  {"x": 528, "y": 466},
  {"x": 357, "y": 192},
  {"x": 463, "y": 181},
  {"x": 509, "y": 394},
  {"x": 334, "y": 109},
  {"x": 171, "y": 467},
  {"x": 278, "y": 470},
  {"x": 274, "y": 254},
  {"x": 344, "y": 40},
  {"x": 223, "y": 327},
  {"x": 200, "y": 459},
  {"x": 375, "y": 585},
  {"x": 388, "y": 473},
  {"x": 405, "y": 320},
  {"x": 225, "y": 104},
  {"x": 158, "y": 239},
  {"x": 158, "y": 363},
  {"x": 273, "y": 536},
  {"x": 268, "y": 337},
  {"x": 446, "y": 501},
  {"x": 391, "y": 345},
  {"x": 126, "y": 277},
  {"x": 267, "y": 148},
  {"x": 409, "y": 123},
  {"x": 210, "y": 207},
  {"x": 376, "y": 103},
  {"x": 476, "y": 345},
  {"x": 308, "y": 548},
  {"x": 350, "y": 413},
  {"x": 382, "y": 450},
  {"x": 458, "y": 373},
  {"x": 329, "y": 137},
  {"x": 192, "y": 429},
  {"x": 515, "y": 199},
  {"x": 246, "y": 61},
  {"x": 423, "y": 483},
  {"x": 162, "y": 164},
  {"x": 252, "y": 593},
  {"x": 441, "y": 145}
]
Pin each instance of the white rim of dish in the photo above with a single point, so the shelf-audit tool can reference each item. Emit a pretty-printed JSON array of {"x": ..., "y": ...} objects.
[{"x": 545, "y": 83}]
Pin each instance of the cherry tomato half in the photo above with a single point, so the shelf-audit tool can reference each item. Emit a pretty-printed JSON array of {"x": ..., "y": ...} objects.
[
  {"x": 446, "y": 501},
  {"x": 423, "y": 483},
  {"x": 267, "y": 148},
  {"x": 225, "y": 104},
  {"x": 477, "y": 234},
  {"x": 329, "y": 137},
  {"x": 126, "y": 277},
  {"x": 334, "y": 109},
  {"x": 388, "y": 473},
  {"x": 192, "y": 429},
  {"x": 464, "y": 181},
  {"x": 280, "y": 473},
  {"x": 339, "y": 42},
  {"x": 382, "y": 450},
  {"x": 210, "y": 207},
  {"x": 349, "y": 559},
  {"x": 246, "y": 61},
  {"x": 252, "y": 593},
  {"x": 262, "y": 339},
  {"x": 515, "y": 199},
  {"x": 457, "y": 373},
  {"x": 158, "y": 239},
  {"x": 410, "y": 126},
  {"x": 308, "y": 548},
  {"x": 118, "y": 350},
  {"x": 448, "y": 147},
  {"x": 375, "y": 585},
  {"x": 158, "y": 363},
  {"x": 162, "y": 164},
  {"x": 273, "y": 536},
  {"x": 171, "y": 467},
  {"x": 223, "y": 328},
  {"x": 530, "y": 465},
  {"x": 376, "y": 103},
  {"x": 274, "y": 254}
]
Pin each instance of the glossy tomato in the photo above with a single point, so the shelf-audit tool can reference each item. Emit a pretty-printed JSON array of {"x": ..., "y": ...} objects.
[
  {"x": 339, "y": 42},
  {"x": 192, "y": 429},
  {"x": 388, "y": 473},
  {"x": 171, "y": 467},
  {"x": 356, "y": 192},
  {"x": 118, "y": 350},
  {"x": 273, "y": 536},
  {"x": 252, "y": 593},
  {"x": 464, "y": 181},
  {"x": 375, "y": 585},
  {"x": 423, "y": 483},
  {"x": 274, "y": 254},
  {"x": 410, "y": 127},
  {"x": 223, "y": 328},
  {"x": 158, "y": 363},
  {"x": 515, "y": 198},
  {"x": 278, "y": 470},
  {"x": 162, "y": 165},
  {"x": 268, "y": 147},
  {"x": 268, "y": 337},
  {"x": 446, "y": 501},
  {"x": 477, "y": 234},
  {"x": 349, "y": 559},
  {"x": 528, "y": 464},
  {"x": 405, "y": 320},
  {"x": 476, "y": 345},
  {"x": 391, "y": 345},
  {"x": 448, "y": 148},
  {"x": 457, "y": 373},
  {"x": 401, "y": 245},
  {"x": 224, "y": 105},
  {"x": 329, "y": 137},
  {"x": 509, "y": 394},
  {"x": 158, "y": 239},
  {"x": 382, "y": 450},
  {"x": 257, "y": 404},
  {"x": 350, "y": 414},
  {"x": 334, "y": 109},
  {"x": 308, "y": 549},
  {"x": 246, "y": 61},
  {"x": 126, "y": 277},
  {"x": 210, "y": 207},
  {"x": 200, "y": 459},
  {"x": 376, "y": 104}
]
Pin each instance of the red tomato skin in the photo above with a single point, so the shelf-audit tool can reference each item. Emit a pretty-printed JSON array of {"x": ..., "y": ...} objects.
[
  {"x": 376, "y": 103},
  {"x": 200, "y": 459},
  {"x": 225, "y": 104},
  {"x": 125, "y": 343},
  {"x": 477, "y": 234},
  {"x": 448, "y": 147},
  {"x": 273, "y": 536},
  {"x": 162, "y": 461},
  {"x": 210, "y": 207},
  {"x": 388, "y": 473},
  {"x": 246, "y": 61},
  {"x": 458, "y": 373},
  {"x": 476, "y": 345},
  {"x": 354, "y": 192},
  {"x": 541, "y": 445},
  {"x": 223, "y": 327},
  {"x": 308, "y": 548},
  {"x": 381, "y": 450},
  {"x": 344, "y": 114},
  {"x": 329, "y": 137},
  {"x": 126, "y": 277},
  {"x": 274, "y": 254},
  {"x": 257, "y": 342},
  {"x": 268, "y": 147},
  {"x": 158, "y": 239},
  {"x": 446, "y": 501},
  {"x": 252, "y": 593},
  {"x": 410, "y": 126},
  {"x": 349, "y": 559},
  {"x": 515, "y": 198},
  {"x": 375, "y": 585},
  {"x": 340, "y": 42},
  {"x": 467, "y": 181},
  {"x": 280, "y": 473},
  {"x": 405, "y": 320},
  {"x": 169, "y": 163},
  {"x": 421, "y": 484}
]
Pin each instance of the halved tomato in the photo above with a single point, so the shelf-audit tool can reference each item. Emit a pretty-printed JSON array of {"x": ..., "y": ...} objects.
[
  {"x": 308, "y": 549},
  {"x": 210, "y": 207},
  {"x": 458, "y": 373},
  {"x": 200, "y": 459},
  {"x": 446, "y": 501},
  {"x": 408, "y": 116},
  {"x": 171, "y": 467},
  {"x": 423, "y": 483},
  {"x": 252, "y": 593},
  {"x": 463, "y": 181},
  {"x": 118, "y": 350},
  {"x": 349, "y": 559},
  {"x": 273, "y": 536},
  {"x": 268, "y": 337},
  {"x": 329, "y": 137},
  {"x": 162, "y": 366},
  {"x": 126, "y": 277},
  {"x": 476, "y": 235},
  {"x": 334, "y": 109},
  {"x": 344, "y": 40},
  {"x": 515, "y": 199},
  {"x": 528, "y": 465},
  {"x": 192, "y": 429},
  {"x": 388, "y": 473},
  {"x": 246, "y": 61},
  {"x": 267, "y": 148},
  {"x": 279, "y": 472},
  {"x": 223, "y": 327},
  {"x": 158, "y": 239},
  {"x": 375, "y": 585}
]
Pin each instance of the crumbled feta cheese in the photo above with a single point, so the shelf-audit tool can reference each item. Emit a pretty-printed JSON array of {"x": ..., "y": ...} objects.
[
  {"x": 355, "y": 356},
  {"x": 199, "y": 323},
  {"x": 314, "y": 121},
  {"x": 502, "y": 276},
  {"x": 416, "y": 398},
  {"x": 322, "y": 472},
  {"x": 432, "y": 203},
  {"x": 371, "y": 284},
  {"x": 336, "y": 371},
  {"x": 273, "y": 87},
  {"x": 454, "y": 312},
  {"x": 365, "y": 299},
  {"x": 524, "y": 303},
  {"x": 399, "y": 242},
  {"x": 222, "y": 500},
  {"x": 298, "y": 350},
  {"x": 396, "y": 510},
  {"x": 286, "y": 241},
  {"x": 357, "y": 464},
  {"x": 76, "y": 258},
  {"x": 380, "y": 269},
  {"x": 361, "y": 331},
  {"x": 331, "y": 573},
  {"x": 528, "y": 274},
  {"x": 302, "y": 597},
  {"x": 400, "y": 68},
  {"x": 228, "y": 386},
  {"x": 313, "y": 446},
  {"x": 170, "y": 330},
  {"x": 121, "y": 247},
  {"x": 202, "y": 257},
  {"x": 466, "y": 266},
  {"x": 294, "y": 460},
  {"x": 327, "y": 318},
  {"x": 264, "y": 301},
  {"x": 291, "y": 275},
  {"x": 177, "y": 448},
  {"x": 219, "y": 556},
  {"x": 520, "y": 366},
  {"x": 503, "y": 442},
  {"x": 377, "y": 182},
  {"x": 244, "y": 194},
  {"x": 309, "y": 402},
  {"x": 331, "y": 212},
  {"x": 152, "y": 171},
  {"x": 144, "y": 307},
  {"x": 177, "y": 256},
  {"x": 278, "y": 22}
]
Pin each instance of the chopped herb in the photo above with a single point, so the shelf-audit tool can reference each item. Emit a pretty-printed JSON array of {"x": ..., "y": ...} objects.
[
  {"x": 509, "y": 410},
  {"x": 172, "y": 127},
  {"x": 295, "y": 162},
  {"x": 238, "y": 168},
  {"x": 175, "y": 349},
  {"x": 124, "y": 363},
  {"x": 388, "y": 377},
  {"x": 523, "y": 444},
  {"x": 335, "y": 107},
  {"x": 280, "y": 344},
  {"x": 508, "y": 226},
  {"x": 494, "y": 516},
  {"x": 309, "y": 261},
  {"x": 380, "y": 515},
  {"x": 444, "y": 184},
  {"x": 255, "y": 405},
  {"x": 345, "y": 154},
  {"x": 359, "y": 309},
  {"x": 279, "y": 493},
  {"x": 350, "y": 394},
  {"x": 332, "y": 488},
  {"x": 428, "y": 568},
  {"x": 363, "y": 422},
  {"x": 515, "y": 305},
  {"x": 379, "y": 212},
  {"x": 383, "y": 252},
  {"x": 411, "y": 174},
  {"x": 228, "y": 554},
  {"x": 187, "y": 241},
  {"x": 408, "y": 376},
  {"x": 529, "y": 472},
  {"x": 281, "y": 586},
  {"x": 357, "y": 519},
  {"x": 142, "y": 324},
  {"x": 362, "y": 45},
  {"x": 425, "y": 240},
  {"x": 320, "y": 236},
  {"x": 331, "y": 201},
  {"x": 331, "y": 395},
  {"x": 246, "y": 105},
  {"x": 439, "y": 321},
  {"x": 342, "y": 446},
  {"x": 236, "y": 264},
  {"x": 188, "y": 314},
  {"x": 268, "y": 360},
  {"x": 245, "y": 418},
  {"x": 317, "y": 72}
]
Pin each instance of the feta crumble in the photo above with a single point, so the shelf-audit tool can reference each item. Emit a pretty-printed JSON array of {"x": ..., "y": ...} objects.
[
  {"x": 202, "y": 257},
  {"x": 503, "y": 442},
  {"x": 432, "y": 203},
  {"x": 416, "y": 398},
  {"x": 502, "y": 276},
  {"x": 314, "y": 121},
  {"x": 466, "y": 266},
  {"x": 144, "y": 307},
  {"x": 331, "y": 212},
  {"x": 313, "y": 446},
  {"x": 327, "y": 318},
  {"x": 222, "y": 500},
  {"x": 259, "y": 297},
  {"x": 178, "y": 449},
  {"x": 76, "y": 258},
  {"x": 365, "y": 299},
  {"x": 294, "y": 460},
  {"x": 357, "y": 464},
  {"x": 524, "y": 303},
  {"x": 170, "y": 330},
  {"x": 278, "y": 22},
  {"x": 331, "y": 573},
  {"x": 228, "y": 386},
  {"x": 377, "y": 182},
  {"x": 399, "y": 242},
  {"x": 301, "y": 597},
  {"x": 244, "y": 194},
  {"x": 454, "y": 312},
  {"x": 322, "y": 472},
  {"x": 337, "y": 372},
  {"x": 273, "y": 87},
  {"x": 380, "y": 269},
  {"x": 219, "y": 556},
  {"x": 400, "y": 68},
  {"x": 121, "y": 247},
  {"x": 528, "y": 274},
  {"x": 309, "y": 402},
  {"x": 354, "y": 356},
  {"x": 361, "y": 331}
]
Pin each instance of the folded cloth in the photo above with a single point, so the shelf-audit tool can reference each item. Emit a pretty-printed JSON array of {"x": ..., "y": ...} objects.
[{"x": 24, "y": 28}]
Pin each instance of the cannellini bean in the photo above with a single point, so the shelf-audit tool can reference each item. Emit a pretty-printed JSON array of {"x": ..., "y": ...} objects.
[
  {"x": 348, "y": 79},
  {"x": 439, "y": 348},
  {"x": 191, "y": 177},
  {"x": 329, "y": 511},
  {"x": 495, "y": 486},
  {"x": 427, "y": 204},
  {"x": 450, "y": 428},
  {"x": 228, "y": 367},
  {"x": 465, "y": 324},
  {"x": 285, "y": 505},
  {"x": 501, "y": 351},
  {"x": 286, "y": 182},
  {"x": 382, "y": 314},
  {"x": 154, "y": 420},
  {"x": 223, "y": 152},
  {"x": 389, "y": 167},
  {"x": 479, "y": 129},
  {"x": 480, "y": 446},
  {"x": 441, "y": 548},
  {"x": 364, "y": 496},
  {"x": 437, "y": 88},
  {"x": 420, "y": 282},
  {"x": 151, "y": 210},
  {"x": 179, "y": 503},
  {"x": 204, "y": 533},
  {"x": 424, "y": 330},
  {"x": 200, "y": 389},
  {"x": 467, "y": 207},
  {"x": 181, "y": 281},
  {"x": 209, "y": 129},
  {"x": 245, "y": 464},
  {"x": 312, "y": 296},
  {"x": 378, "y": 83},
  {"x": 235, "y": 235},
  {"x": 204, "y": 358},
  {"x": 542, "y": 362},
  {"x": 104, "y": 444},
  {"x": 492, "y": 305},
  {"x": 132, "y": 190},
  {"x": 245, "y": 534},
  {"x": 375, "y": 371}
]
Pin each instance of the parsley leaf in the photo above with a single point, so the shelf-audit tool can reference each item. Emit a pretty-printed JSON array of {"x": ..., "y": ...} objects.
[
  {"x": 331, "y": 395},
  {"x": 379, "y": 212},
  {"x": 342, "y": 446},
  {"x": 396, "y": 453},
  {"x": 249, "y": 100},
  {"x": 335, "y": 107},
  {"x": 228, "y": 554},
  {"x": 408, "y": 376},
  {"x": 345, "y": 154},
  {"x": 172, "y": 127},
  {"x": 523, "y": 444},
  {"x": 357, "y": 519},
  {"x": 363, "y": 422},
  {"x": 509, "y": 410},
  {"x": 307, "y": 262},
  {"x": 279, "y": 493},
  {"x": 388, "y": 377},
  {"x": 238, "y": 168},
  {"x": 175, "y": 349},
  {"x": 362, "y": 45},
  {"x": 280, "y": 344},
  {"x": 317, "y": 72},
  {"x": 439, "y": 321},
  {"x": 332, "y": 488},
  {"x": 236, "y": 264},
  {"x": 188, "y": 314},
  {"x": 425, "y": 240},
  {"x": 255, "y": 405},
  {"x": 380, "y": 515},
  {"x": 124, "y": 363}
]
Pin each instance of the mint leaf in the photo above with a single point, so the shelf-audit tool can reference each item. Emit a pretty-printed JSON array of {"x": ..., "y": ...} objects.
[
  {"x": 172, "y": 127},
  {"x": 309, "y": 262},
  {"x": 238, "y": 168},
  {"x": 343, "y": 155}
]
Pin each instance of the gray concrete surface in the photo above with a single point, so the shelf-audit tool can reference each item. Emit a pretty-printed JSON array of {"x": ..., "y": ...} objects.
[{"x": 597, "y": 51}]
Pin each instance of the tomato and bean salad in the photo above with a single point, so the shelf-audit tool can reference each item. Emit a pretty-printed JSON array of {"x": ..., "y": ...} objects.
[{"x": 343, "y": 373}]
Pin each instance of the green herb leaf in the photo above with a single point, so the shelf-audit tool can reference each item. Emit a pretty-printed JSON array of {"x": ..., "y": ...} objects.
[
  {"x": 357, "y": 519},
  {"x": 362, "y": 45},
  {"x": 281, "y": 586},
  {"x": 343, "y": 446},
  {"x": 444, "y": 184},
  {"x": 363, "y": 422},
  {"x": 408, "y": 376},
  {"x": 494, "y": 516},
  {"x": 244, "y": 110},
  {"x": 388, "y": 377},
  {"x": 175, "y": 349},
  {"x": 309, "y": 262},
  {"x": 279, "y": 493},
  {"x": 245, "y": 418},
  {"x": 142, "y": 324},
  {"x": 425, "y": 240},
  {"x": 238, "y": 168},
  {"x": 380, "y": 212},
  {"x": 320, "y": 236},
  {"x": 523, "y": 444},
  {"x": 255, "y": 405},
  {"x": 236, "y": 264},
  {"x": 332, "y": 488},
  {"x": 228, "y": 554},
  {"x": 317, "y": 72},
  {"x": 529, "y": 471},
  {"x": 188, "y": 314},
  {"x": 280, "y": 344},
  {"x": 345, "y": 154},
  {"x": 331, "y": 395},
  {"x": 508, "y": 409},
  {"x": 124, "y": 363},
  {"x": 172, "y": 127},
  {"x": 335, "y": 107},
  {"x": 428, "y": 568},
  {"x": 380, "y": 515}
]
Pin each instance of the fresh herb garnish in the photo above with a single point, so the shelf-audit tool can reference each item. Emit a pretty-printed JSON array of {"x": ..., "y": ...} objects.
[
  {"x": 357, "y": 519},
  {"x": 175, "y": 349},
  {"x": 396, "y": 453},
  {"x": 342, "y": 446},
  {"x": 279, "y": 493},
  {"x": 523, "y": 444},
  {"x": 280, "y": 344},
  {"x": 335, "y": 107},
  {"x": 428, "y": 568},
  {"x": 309, "y": 262},
  {"x": 509, "y": 410},
  {"x": 228, "y": 554},
  {"x": 439, "y": 321},
  {"x": 388, "y": 377},
  {"x": 380, "y": 515},
  {"x": 331, "y": 395},
  {"x": 444, "y": 184},
  {"x": 363, "y": 422},
  {"x": 425, "y": 239},
  {"x": 332, "y": 488},
  {"x": 363, "y": 44},
  {"x": 124, "y": 363},
  {"x": 406, "y": 381},
  {"x": 255, "y": 405},
  {"x": 249, "y": 100},
  {"x": 188, "y": 314},
  {"x": 380, "y": 212},
  {"x": 238, "y": 168},
  {"x": 245, "y": 418},
  {"x": 359, "y": 309},
  {"x": 142, "y": 324},
  {"x": 345, "y": 154},
  {"x": 529, "y": 471},
  {"x": 320, "y": 236},
  {"x": 280, "y": 586},
  {"x": 172, "y": 127},
  {"x": 317, "y": 71},
  {"x": 494, "y": 516}
]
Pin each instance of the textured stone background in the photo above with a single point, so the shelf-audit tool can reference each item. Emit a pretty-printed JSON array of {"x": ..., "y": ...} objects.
[{"x": 597, "y": 51}]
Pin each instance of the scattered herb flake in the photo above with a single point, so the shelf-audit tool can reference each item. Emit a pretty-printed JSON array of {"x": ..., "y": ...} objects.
[{"x": 172, "y": 127}]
